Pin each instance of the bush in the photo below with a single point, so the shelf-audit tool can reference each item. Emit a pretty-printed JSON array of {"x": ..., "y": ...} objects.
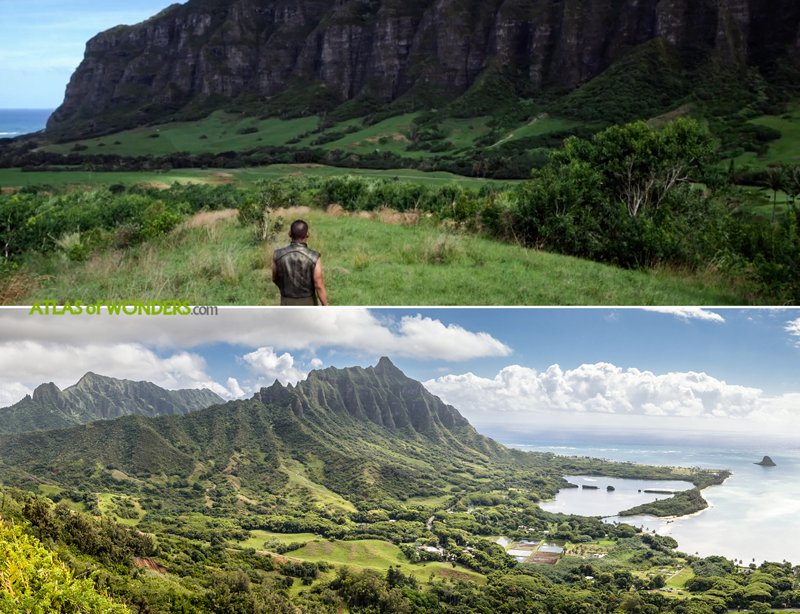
[{"x": 33, "y": 579}]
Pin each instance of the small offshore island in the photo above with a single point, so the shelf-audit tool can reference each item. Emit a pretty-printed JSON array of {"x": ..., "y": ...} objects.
[{"x": 766, "y": 462}]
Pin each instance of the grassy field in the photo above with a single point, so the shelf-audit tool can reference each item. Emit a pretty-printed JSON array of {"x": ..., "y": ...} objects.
[
  {"x": 16, "y": 178},
  {"x": 377, "y": 555},
  {"x": 542, "y": 124},
  {"x": 357, "y": 554},
  {"x": 223, "y": 131},
  {"x": 785, "y": 150},
  {"x": 258, "y": 537},
  {"x": 105, "y": 502},
  {"x": 387, "y": 135},
  {"x": 759, "y": 202},
  {"x": 679, "y": 579},
  {"x": 368, "y": 260},
  {"x": 218, "y": 132}
]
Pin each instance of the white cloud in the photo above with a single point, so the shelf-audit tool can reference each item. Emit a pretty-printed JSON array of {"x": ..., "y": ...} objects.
[
  {"x": 11, "y": 392},
  {"x": 689, "y": 313},
  {"x": 793, "y": 328},
  {"x": 234, "y": 388},
  {"x": 295, "y": 329},
  {"x": 316, "y": 363},
  {"x": 599, "y": 388},
  {"x": 268, "y": 366},
  {"x": 428, "y": 338}
]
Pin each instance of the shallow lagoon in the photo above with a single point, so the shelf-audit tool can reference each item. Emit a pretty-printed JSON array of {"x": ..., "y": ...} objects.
[
  {"x": 755, "y": 514},
  {"x": 601, "y": 502}
]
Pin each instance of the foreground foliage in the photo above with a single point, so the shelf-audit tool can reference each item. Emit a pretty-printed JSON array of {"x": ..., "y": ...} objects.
[
  {"x": 33, "y": 579},
  {"x": 631, "y": 196}
]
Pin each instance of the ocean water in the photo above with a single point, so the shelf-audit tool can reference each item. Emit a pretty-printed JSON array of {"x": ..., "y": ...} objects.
[
  {"x": 14, "y": 122},
  {"x": 593, "y": 498},
  {"x": 753, "y": 516}
]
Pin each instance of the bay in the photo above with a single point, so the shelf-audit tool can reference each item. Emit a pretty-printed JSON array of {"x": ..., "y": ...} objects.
[
  {"x": 753, "y": 517},
  {"x": 15, "y": 122}
]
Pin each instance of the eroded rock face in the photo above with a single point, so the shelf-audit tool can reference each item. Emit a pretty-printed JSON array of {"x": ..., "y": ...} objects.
[{"x": 385, "y": 48}]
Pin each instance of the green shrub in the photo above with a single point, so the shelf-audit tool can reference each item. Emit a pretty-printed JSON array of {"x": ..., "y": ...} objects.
[{"x": 33, "y": 579}]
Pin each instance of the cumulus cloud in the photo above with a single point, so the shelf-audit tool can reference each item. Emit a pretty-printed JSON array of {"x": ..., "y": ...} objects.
[
  {"x": 793, "y": 328},
  {"x": 316, "y": 363},
  {"x": 25, "y": 364},
  {"x": 689, "y": 313},
  {"x": 295, "y": 329},
  {"x": 429, "y": 338},
  {"x": 600, "y": 388},
  {"x": 234, "y": 388},
  {"x": 268, "y": 366}
]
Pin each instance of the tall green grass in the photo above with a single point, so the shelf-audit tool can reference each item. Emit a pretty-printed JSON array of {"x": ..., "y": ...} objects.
[{"x": 366, "y": 262}]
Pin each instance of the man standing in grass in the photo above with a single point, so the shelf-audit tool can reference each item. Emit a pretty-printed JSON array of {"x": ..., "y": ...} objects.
[{"x": 297, "y": 270}]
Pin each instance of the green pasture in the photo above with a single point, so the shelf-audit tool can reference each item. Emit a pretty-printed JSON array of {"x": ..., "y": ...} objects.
[
  {"x": 222, "y": 131},
  {"x": 387, "y": 135},
  {"x": 16, "y": 178},
  {"x": 679, "y": 579},
  {"x": 258, "y": 537},
  {"x": 785, "y": 150},
  {"x": 216, "y": 133},
  {"x": 538, "y": 126},
  {"x": 378, "y": 555},
  {"x": 106, "y": 504}
]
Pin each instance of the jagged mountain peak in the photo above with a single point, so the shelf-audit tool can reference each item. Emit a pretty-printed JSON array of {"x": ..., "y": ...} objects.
[
  {"x": 382, "y": 394},
  {"x": 99, "y": 397},
  {"x": 387, "y": 367},
  {"x": 363, "y": 431},
  {"x": 45, "y": 392},
  {"x": 90, "y": 379}
]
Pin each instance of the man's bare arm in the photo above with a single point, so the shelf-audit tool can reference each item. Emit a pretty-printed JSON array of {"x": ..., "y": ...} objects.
[{"x": 319, "y": 283}]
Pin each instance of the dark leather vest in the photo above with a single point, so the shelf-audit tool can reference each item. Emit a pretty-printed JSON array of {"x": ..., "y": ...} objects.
[{"x": 295, "y": 265}]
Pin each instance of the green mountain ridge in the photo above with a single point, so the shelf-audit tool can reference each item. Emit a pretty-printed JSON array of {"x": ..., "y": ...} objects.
[
  {"x": 393, "y": 427},
  {"x": 96, "y": 397},
  {"x": 363, "y": 434}
]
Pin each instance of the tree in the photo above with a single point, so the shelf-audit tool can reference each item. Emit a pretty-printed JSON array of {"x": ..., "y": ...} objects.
[
  {"x": 792, "y": 186},
  {"x": 775, "y": 180},
  {"x": 641, "y": 165}
]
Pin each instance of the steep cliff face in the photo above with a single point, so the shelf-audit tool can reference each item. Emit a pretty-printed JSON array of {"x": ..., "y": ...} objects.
[
  {"x": 204, "y": 49},
  {"x": 381, "y": 394}
]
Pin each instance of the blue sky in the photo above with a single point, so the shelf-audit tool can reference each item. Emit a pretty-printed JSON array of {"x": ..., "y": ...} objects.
[
  {"x": 42, "y": 42},
  {"x": 725, "y": 370}
]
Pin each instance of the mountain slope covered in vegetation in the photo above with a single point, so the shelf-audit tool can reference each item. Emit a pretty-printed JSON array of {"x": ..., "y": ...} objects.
[{"x": 96, "y": 397}]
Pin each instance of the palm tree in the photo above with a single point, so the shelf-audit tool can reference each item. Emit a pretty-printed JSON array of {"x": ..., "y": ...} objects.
[
  {"x": 792, "y": 186},
  {"x": 775, "y": 181}
]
